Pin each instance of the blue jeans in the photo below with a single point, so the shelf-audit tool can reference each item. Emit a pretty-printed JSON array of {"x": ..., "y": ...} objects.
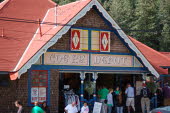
[
  {"x": 109, "y": 109},
  {"x": 119, "y": 109}
]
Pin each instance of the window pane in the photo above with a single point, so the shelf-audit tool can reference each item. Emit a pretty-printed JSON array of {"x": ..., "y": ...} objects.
[
  {"x": 84, "y": 40},
  {"x": 95, "y": 40}
]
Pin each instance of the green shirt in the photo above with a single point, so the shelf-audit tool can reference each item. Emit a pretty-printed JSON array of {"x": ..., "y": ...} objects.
[
  {"x": 117, "y": 92},
  {"x": 99, "y": 92},
  {"x": 104, "y": 93},
  {"x": 37, "y": 109}
]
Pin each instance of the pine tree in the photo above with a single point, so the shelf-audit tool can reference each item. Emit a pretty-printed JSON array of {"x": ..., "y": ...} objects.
[
  {"x": 122, "y": 12},
  {"x": 164, "y": 15},
  {"x": 147, "y": 23}
]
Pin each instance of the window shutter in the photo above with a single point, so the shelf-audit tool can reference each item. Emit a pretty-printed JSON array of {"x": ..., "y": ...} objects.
[
  {"x": 105, "y": 41},
  {"x": 75, "y": 39}
]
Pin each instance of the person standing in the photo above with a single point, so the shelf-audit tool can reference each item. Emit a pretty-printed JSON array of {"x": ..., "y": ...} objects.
[
  {"x": 45, "y": 107},
  {"x": 36, "y": 108},
  {"x": 119, "y": 103},
  {"x": 71, "y": 108},
  {"x": 110, "y": 100},
  {"x": 20, "y": 108},
  {"x": 85, "y": 108},
  {"x": 145, "y": 101},
  {"x": 130, "y": 97},
  {"x": 160, "y": 98},
  {"x": 103, "y": 94},
  {"x": 103, "y": 98}
]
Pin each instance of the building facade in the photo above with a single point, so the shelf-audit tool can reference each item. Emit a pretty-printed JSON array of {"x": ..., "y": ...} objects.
[{"x": 88, "y": 54}]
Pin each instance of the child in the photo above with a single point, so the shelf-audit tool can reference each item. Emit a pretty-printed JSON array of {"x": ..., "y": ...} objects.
[{"x": 85, "y": 108}]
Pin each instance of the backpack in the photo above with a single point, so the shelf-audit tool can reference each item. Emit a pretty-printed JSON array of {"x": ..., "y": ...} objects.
[{"x": 145, "y": 92}]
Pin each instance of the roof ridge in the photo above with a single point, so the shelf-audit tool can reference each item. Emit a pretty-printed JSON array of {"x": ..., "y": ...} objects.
[{"x": 73, "y": 3}]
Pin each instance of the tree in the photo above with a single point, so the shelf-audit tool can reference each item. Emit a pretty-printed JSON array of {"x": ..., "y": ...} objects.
[
  {"x": 62, "y": 2},
  {"x": 146, "y": 25},
  {"x": 164, "y": 15}
]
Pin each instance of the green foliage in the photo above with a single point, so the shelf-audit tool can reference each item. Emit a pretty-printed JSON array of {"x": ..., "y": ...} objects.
[
  {"x": 147, "y": 20},
  {"x": 152, "y": 86},
  {"x": 89, "y": 86},
  {"x": 62, "y": 2},
  {"x": 1, "y": 1},
  {"x": 164, "y": 15}
]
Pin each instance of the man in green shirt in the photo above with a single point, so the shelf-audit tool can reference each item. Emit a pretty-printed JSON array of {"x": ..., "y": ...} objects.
[
  {"x": 103, "y": 93},
  {"x": 37, "y": 109}
]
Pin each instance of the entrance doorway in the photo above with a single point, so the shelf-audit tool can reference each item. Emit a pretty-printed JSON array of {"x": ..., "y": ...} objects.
[{"x": 69, "y": 90}]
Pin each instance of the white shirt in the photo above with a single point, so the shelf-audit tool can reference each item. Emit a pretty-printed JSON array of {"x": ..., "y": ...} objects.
[
  {"x": 130, "y": 92},
  {"x": 109, "y": 99},
  {"x": 85, "y": 109},
  {"x": 70, "y": 109}
]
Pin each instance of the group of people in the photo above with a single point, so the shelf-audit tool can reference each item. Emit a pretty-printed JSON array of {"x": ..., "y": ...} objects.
[
  {"x": 116, "y": 99},
  {"x": 36, "y": 109},
  {"x": 109, "y": 98},
  {"x": 71, "y": 108}
]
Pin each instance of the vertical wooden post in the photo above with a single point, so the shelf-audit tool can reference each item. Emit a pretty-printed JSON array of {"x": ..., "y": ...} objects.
[
  {"x": 95, "y": 76},
  {"x": 82, "y": 77},
  {"x": 39, "y": 25}
]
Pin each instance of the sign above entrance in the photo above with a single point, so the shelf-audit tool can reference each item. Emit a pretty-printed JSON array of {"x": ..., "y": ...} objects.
[
  {"x": 59, "y": 58},
  {"x": 111, "y": 60},
  {"x": 86, "y": 59}
]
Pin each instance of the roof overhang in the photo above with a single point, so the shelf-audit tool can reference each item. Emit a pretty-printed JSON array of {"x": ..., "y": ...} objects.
[
  {"x": 165, "y": 67},
  {"x": 3, "y": 72},
  {"x": 72, "y": 22}
]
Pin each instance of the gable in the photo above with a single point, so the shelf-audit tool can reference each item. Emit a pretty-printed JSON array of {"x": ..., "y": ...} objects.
[
  {"x": 72, "y": 16},
  {"x": 92, "y": 20}
]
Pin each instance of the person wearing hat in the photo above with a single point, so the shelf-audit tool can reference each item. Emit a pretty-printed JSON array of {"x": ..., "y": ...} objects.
[
  {"x": 145, "y": 99},
  {"x": 71, "y": 108}
]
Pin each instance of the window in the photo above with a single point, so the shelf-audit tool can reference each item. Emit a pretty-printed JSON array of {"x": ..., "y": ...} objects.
[
  {"x": 39, "y": 85},
  {"x": 95, "y": 40},
  {"x": 105, "y": 41}
]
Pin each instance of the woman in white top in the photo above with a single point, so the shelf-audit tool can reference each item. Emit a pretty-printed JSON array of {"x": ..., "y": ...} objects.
[{"x": 85, "y": 108}]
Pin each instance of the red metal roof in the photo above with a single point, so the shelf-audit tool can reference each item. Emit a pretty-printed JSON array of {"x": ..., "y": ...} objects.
[
  {"x": 65, "y": 14},
  {"x": 166, "y": 54},
  {"x": 154, "y": 57},
  {"x": 17, "y": 35}
]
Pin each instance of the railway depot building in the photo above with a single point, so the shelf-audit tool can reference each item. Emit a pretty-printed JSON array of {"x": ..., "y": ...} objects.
[{"x": 48, "y": 50}]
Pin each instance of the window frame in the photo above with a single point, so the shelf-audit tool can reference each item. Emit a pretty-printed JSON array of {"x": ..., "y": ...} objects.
[
  {"x": 47, "y": 86},
  {"x": 90, "y": 39}
]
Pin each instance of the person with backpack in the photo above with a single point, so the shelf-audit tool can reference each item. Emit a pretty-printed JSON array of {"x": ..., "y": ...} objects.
[{"x": 145, "y": 99}]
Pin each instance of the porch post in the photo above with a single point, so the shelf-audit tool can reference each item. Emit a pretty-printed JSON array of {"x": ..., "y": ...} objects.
[
  {"x": 82, "y": 77},
  {"x": 95, "y": 76},
  {"x": 144, "y": 77}
]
